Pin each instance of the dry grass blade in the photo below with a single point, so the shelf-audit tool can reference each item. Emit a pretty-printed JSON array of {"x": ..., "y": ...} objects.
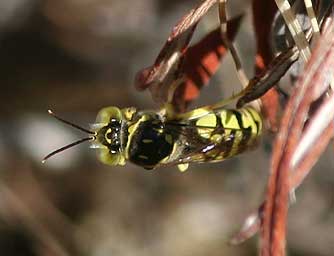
[
  {"x": 250, "y": 227},
  {"x": 319, "y": 143},
  {"x": 294, "y": 28},
  {"x": 313, "y": 18},
  {"x": 311, "y": 85},
  {"x": 312, "y": 156},
  {"x": 191, "y": 18},
  {"x": 262, "y": 21}
]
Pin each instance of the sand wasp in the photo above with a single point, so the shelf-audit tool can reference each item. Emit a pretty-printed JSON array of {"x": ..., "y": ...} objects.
[{"x": 151, "y": 139}]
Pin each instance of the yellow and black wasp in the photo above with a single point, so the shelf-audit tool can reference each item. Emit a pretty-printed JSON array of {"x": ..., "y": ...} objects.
[{"x": 152, "y": 139}]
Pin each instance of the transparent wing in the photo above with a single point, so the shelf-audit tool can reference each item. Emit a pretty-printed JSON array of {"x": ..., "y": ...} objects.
[{"x": 206, "y": 147}]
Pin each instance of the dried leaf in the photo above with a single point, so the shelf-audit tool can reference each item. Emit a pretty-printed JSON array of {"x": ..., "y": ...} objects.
[
  {"x": 165, "y": 69},
  {"x": 250, "y": 227}
]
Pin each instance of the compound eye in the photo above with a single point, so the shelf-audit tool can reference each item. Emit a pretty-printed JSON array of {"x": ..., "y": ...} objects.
[
  {"x": 107, "y": 114},
  {"x": 113, "y": 122},
  {"x": 114, "y": 148}
]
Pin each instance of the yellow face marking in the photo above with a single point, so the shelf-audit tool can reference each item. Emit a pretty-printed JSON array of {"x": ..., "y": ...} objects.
[
  {"x": 147, "y": 141},
  {"x": 207, "y": 121},
  {"x": 106, "y": 135}
]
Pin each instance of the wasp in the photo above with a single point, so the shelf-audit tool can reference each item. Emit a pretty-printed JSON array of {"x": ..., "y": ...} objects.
[{"x": 152, "y": 139}]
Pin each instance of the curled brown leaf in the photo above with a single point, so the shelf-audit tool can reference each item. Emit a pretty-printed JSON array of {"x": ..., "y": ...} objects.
[{"x": 183, "y": 68}]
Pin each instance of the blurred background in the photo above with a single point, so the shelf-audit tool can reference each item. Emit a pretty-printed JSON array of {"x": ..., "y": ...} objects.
[{"x": 77, "y": 56}]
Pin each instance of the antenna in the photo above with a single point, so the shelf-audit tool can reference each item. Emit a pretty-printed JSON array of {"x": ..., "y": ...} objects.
[
  {"x": 93, "y": 137},
  {"x": 70, "y": 123}
]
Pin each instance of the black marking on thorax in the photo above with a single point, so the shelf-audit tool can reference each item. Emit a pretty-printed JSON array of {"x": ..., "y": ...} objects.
[{"x": 149, "y": 144}]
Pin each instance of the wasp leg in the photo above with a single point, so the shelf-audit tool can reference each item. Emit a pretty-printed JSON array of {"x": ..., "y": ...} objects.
[
  {"x": 168, "y": 109},
  {"x": 236, "y": 59},
  {"x": 172, "y": 88},
  {"x": 223, "y": 21}
]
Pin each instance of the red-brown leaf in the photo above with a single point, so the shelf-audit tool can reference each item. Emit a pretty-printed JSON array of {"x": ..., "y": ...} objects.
[{"x": 201, "y": 62}]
